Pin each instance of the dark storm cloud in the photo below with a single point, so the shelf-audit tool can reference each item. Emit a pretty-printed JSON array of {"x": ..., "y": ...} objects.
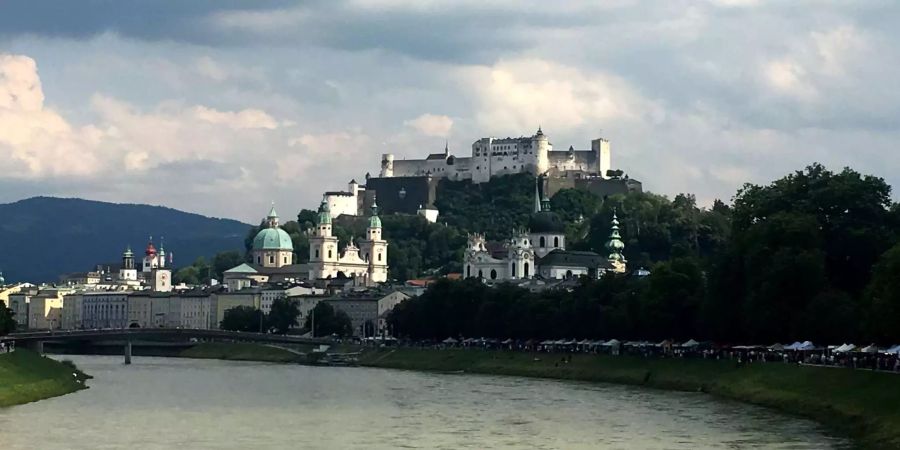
[{"x": 142, "y": 19}]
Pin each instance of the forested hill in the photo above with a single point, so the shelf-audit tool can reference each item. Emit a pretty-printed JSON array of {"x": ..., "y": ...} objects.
[{"x": 43, "y": 237}]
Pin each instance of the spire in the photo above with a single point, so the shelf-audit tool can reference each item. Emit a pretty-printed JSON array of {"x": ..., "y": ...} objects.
[
  {"x": 272, "y": 218},
  {"x": 537, "y": 195},
  {"x": 540, "y": 132},
  {"x": 446, "y": 147},
  {"x": 324, "y": 213},
  {"x": 2, "y": 280},
  {"x": 374, "y": 220},
  {"x": 615, "y": 244}
]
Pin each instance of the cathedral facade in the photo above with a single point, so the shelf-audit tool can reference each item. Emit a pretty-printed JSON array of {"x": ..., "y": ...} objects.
[{"x": 368, "y": 260}]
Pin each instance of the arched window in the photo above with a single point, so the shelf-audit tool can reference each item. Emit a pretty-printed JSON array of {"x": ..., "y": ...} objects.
[
  {"x": 568, "y": 274},
  {"x": 367, "y": 256},
  {"x": 556, "y": 242},
  {"x": 284, "y": 259},
  {"x": 512, "y": 270},
  {"x": 271, "y": 259},
  {"x": 543, "y": 242},
  {"x": 379, "y": 257},
  {"x": 493, "y": 274},
  {"x": 329, "y": 254},
  {"x": 480, "y": 274},
  {"x": 525, "y": 270},
  {"x": 259, "y": 259},
  {"x": 468, "y": 271},
  {"x": 317, "y": 253}
]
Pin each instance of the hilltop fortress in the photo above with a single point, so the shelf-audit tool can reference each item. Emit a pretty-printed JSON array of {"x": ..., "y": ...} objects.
[
  {"x": 495, "y": 157},
  {"x": 409, "y": 186}
]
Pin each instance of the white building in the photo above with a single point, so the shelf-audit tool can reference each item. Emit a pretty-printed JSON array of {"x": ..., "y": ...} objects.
[
  {"x": 494, "y": 157},
  {"x": 349, "y": 202},
  {"x": 273, "y": 292},
  {"x": 104, "y": 309},
  {"x": 369, "y": 260},
  {"x": 540, "y": 252}
]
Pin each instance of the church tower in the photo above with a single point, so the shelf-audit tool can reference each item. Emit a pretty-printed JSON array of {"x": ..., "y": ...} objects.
[
  {"x": 520, "y": 255},
  {"x": 616, "y": 246},
  {"x": 151, "y": 261},
  {"x": 323, "y": 247},
  {"x": 374, "y": 248},
  {"x": 128, "y": 272}
]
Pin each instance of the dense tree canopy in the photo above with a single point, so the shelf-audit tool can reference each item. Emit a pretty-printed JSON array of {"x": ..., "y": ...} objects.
[
  {"x": 283, "y": 315},
  {"x": 7, "y": 320},
  {"x": 328, "y": 321},
  {"x": 243, "y": 318}
]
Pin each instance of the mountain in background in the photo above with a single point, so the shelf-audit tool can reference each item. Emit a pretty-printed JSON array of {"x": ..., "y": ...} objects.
[{"x": 42, "y": 238}]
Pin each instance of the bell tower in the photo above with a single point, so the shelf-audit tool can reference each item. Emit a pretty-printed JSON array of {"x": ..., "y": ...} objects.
[
  {"x": 323, "y": 247},
  {"x": 374, "y": 248}
]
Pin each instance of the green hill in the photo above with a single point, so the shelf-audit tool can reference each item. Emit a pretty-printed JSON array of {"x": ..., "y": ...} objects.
[{"x": 44, "y": 237}]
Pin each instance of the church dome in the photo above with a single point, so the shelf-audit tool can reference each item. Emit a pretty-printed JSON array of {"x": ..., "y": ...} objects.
[
  {"x": 272, "y": 239},
  {"x": 546, "y": 222}
]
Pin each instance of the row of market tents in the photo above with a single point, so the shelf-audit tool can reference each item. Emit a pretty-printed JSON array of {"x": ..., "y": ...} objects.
[{"x": 805, "y": 346}]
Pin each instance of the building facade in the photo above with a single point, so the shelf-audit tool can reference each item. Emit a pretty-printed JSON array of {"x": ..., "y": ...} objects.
[
  {"x": 492, "y": 157},
  {"x": 368, "y": 260}
]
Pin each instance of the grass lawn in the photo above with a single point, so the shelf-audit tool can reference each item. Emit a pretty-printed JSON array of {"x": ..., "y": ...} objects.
[
  {"x": 862, "y": 404},
  {"x": 239, "y": 352},
  {"x": 26, "y": 376}
]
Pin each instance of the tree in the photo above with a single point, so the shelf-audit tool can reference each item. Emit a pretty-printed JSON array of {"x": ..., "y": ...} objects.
[
  {"x": 328, "y": 322},
  {"x": 283, "y": 315},
  {"x": 7, "y": 320},
  {"x": 883, "y": 298},
  {"x": 224, "y": 261},
  {"x": 242, "y": 318}
]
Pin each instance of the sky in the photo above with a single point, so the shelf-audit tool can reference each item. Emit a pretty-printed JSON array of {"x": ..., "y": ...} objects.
[{"x": 222, "y": 106}]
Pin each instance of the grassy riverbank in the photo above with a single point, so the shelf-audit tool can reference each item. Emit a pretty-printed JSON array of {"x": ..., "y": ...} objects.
[
  {"x": 862, "y": 404},
  {"x": 240, "y": 352},
  {"x": 26, "y": 376}
]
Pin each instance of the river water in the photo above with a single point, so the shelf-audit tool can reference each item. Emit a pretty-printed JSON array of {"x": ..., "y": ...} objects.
[{"x": 167, "y": 403}]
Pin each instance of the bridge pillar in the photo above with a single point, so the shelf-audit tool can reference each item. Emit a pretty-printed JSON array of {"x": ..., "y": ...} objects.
[
  {"x": 39, "y": 347},
  {"x": 127, "y": 352}
]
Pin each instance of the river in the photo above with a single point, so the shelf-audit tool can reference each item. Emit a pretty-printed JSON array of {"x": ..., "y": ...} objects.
[{"x": 167, "y": 403}]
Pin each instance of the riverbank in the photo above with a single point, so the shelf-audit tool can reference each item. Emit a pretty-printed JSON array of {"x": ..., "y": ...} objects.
[
  {"x": 241, "y": 352},
  {"x": 861, "y": 404},
  {"x": 26, "y": 377}
]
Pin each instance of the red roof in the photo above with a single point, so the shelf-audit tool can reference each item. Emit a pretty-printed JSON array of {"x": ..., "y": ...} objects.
[{"x": 151, "y": 250}]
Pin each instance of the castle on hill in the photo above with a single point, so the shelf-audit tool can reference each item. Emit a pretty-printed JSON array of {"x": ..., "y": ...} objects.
[
  {"x": 493, "y": 157},
  {"x": 409, "y": 186}
]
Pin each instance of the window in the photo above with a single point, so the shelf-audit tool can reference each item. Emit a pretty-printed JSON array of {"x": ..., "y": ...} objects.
[
  {"x": 329, "y": 253},
  {"x": 379, "y": 257},
  {"x": 480, "y": 274},
  {"x": 513, "y": 270},
  {"x": 568, "y": 274},
  {"x": 259, "y": 259},
  {"x": 317, "y": 253},
  {"x": 556, "y": 241},
  {"x": 543, "y": 242},
  {"x": 493, "y": 274},
  {"x": 271, "y": 259},
  {"x": 285, "y": 259},
  {"x": 525, "y": 270},
  {"x": 468, "y": 271}
]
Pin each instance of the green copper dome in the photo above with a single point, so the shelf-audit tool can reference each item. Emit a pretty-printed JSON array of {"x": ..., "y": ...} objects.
[
  {"x": 272, "y": 239},
  {"x": 324, "y": 213},
  {"x": 374, "y": 220}
]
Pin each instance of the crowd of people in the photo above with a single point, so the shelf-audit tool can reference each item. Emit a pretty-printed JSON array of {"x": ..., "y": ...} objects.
[{"x": 797, "y": 353}]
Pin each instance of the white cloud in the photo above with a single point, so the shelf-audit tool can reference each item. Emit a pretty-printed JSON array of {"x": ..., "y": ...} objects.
[
  {"x": 518, "y": 95},
  {"x": 789, "y": 78},
  {"x": 431, "y": 125}
]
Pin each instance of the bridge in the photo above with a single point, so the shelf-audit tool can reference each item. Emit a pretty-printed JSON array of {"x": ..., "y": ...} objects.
[{"x": 37, "y": 339}]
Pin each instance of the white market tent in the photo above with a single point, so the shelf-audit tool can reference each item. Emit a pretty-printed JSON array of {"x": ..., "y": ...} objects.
[
  {"x": 690, "y": 344},
  {"x": 611, "y": 343},
  {"x": 845, "y": 348},
  {"x": 870, "y": 349},
  {"x": 776, "y": 347},
  {"x": 895, "y": 350},
  {"x": 450, "y": 340}
]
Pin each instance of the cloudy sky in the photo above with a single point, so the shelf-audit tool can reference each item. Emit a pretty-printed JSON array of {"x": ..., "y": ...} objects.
[{"x": 221, "y": 106}]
